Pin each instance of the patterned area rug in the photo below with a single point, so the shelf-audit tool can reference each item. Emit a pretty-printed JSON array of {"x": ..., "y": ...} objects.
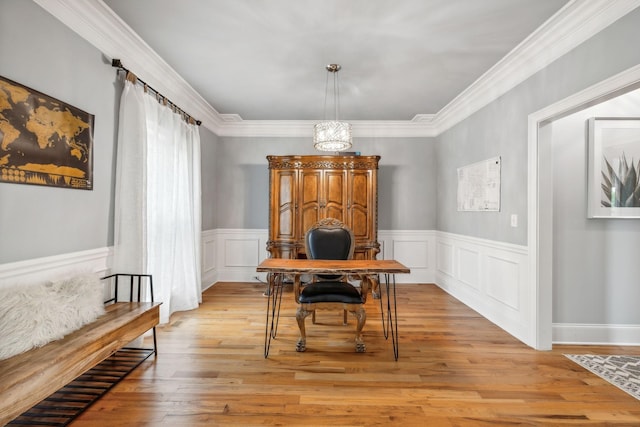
[{"x": 621, "y": 371}]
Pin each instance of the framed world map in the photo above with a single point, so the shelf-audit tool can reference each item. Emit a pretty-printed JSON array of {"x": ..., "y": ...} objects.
[{"x": 43, "y": 141}]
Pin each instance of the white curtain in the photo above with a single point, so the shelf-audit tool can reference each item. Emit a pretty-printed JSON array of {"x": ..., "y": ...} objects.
[{"x": 157, "y": 202}]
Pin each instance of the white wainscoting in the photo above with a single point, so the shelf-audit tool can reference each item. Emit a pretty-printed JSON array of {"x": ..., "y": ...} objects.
[
  {"x": 490, "y": 277},
  {"x": 208, "y": 254},
  {"x": 233, "y": 254},
  {"x": 237, "y": 253},
  {"x": 413, "y": 248},
  {"x": 56, "y": 267}
]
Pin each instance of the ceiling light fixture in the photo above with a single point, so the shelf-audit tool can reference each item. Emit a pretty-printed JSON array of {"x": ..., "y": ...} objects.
[{"x": 332, "y": 135}]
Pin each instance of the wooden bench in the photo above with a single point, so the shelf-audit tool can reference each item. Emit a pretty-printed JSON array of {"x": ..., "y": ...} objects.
[{"x": 29, "y": 377}]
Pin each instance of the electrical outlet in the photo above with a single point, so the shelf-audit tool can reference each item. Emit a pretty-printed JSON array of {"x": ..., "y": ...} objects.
[{"x": 514, "y": 220}]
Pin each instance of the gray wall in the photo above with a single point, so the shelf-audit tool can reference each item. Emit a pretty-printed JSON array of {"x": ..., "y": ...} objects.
[
  {"x": 208, "y": 149},
  {"x": 406, "y": 180},
  {"x": 40, "y": 221},
  {"x": 595, "y": 268},
  {"x": 500, "y": 129},
  {"x": 36, "y": 50}
]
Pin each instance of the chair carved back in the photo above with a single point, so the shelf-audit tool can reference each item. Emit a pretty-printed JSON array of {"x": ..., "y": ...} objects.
[{"x": 329, "y": 239}]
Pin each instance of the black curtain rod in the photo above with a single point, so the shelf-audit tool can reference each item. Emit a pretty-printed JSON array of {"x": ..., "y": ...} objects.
[{"x": 118, "y": 64}]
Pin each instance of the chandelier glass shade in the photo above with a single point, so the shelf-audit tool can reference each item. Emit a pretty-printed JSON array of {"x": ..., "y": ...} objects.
[{"x": 332, "y": 135}]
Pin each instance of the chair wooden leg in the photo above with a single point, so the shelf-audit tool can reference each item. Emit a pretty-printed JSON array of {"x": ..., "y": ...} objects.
[
  {"x": 302, "y": 314},
  {"x": 361, "y": 316},
  {"x": 375, "y": 287}
]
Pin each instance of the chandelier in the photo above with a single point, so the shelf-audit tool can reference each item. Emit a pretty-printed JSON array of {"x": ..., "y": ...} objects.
[{"x": 332, "y": 135}]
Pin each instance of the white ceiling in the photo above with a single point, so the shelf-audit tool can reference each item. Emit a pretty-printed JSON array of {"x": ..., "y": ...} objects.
[
  {"x": 264, "y": 59},
  {"x": 411, "y": 68}
]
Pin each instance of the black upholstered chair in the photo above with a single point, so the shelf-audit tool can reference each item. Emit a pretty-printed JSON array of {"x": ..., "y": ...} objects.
[{"x": 330, "y": 239}]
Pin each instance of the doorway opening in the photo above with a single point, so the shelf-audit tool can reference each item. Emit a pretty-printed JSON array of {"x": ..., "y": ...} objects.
[{"x": 540, "y": 203}]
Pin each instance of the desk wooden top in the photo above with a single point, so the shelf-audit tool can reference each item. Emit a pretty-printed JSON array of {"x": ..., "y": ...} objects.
[{"x": 323, "y": 266}]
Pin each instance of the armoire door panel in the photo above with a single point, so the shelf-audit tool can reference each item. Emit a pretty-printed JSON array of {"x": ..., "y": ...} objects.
[
  {"x": 310, "y": 196},
  {"x": 360, "y": 212},
  {"x": 359, "y": 223},
  {"x": 286, "y": 224},
  {"x": 360, "y": 189},
  {"x": 308, "y": 218},
  {"x": 284, "y": 193},
  {"x": 311, "y": 186},
  {"x": 334, "y": 195}
]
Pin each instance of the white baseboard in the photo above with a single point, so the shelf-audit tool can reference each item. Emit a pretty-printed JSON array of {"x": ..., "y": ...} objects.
[{"x": 589, "y": 334}]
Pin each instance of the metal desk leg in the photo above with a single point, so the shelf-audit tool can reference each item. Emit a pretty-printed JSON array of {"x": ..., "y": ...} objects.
[
  {"x": 391, "y": 321},
  {"x": 274, "y": 301},
  {"x": 385, "y": 330}
]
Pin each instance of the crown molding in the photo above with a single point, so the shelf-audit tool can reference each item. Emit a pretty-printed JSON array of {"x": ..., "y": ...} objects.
[
  {"x": 94, "y": 21},
  {"x": 576, "y": 22},
  {"x": 573, "y": 24},
  {"x": 304, "y": 128}
]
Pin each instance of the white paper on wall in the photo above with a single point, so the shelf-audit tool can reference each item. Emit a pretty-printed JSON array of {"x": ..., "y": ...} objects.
[{"x": 479, "y": 186}]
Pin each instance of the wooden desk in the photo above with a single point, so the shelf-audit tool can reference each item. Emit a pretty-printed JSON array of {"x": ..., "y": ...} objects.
[{"x": 279, "y": 267}]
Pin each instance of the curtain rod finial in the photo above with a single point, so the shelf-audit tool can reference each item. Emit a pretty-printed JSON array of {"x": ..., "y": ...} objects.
[{"x": 116, "y": 63}]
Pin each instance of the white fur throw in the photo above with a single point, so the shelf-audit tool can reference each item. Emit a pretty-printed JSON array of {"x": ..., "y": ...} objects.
[{"x": 33, "y": 315}]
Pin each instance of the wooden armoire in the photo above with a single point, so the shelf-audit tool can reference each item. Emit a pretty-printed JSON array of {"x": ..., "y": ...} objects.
[{"x": 306, "y": 189}]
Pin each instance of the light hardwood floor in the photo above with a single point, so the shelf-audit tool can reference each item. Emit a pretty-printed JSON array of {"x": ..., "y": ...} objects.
[{"x": 455, "y": 369}]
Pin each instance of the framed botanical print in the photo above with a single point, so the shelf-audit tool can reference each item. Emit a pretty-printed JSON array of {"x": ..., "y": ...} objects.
[{"x": 613, "y": 167}]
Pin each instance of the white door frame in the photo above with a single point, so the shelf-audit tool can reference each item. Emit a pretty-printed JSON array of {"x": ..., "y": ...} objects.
[{"x": 540, "y": 204}]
